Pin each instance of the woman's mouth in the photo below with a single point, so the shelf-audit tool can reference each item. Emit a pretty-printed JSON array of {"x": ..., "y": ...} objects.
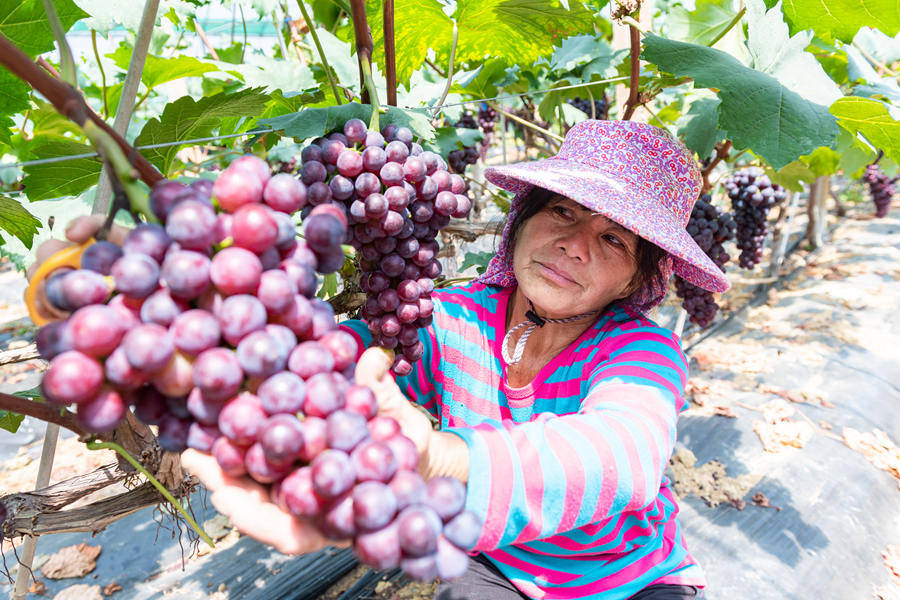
[{"x": 556, "y": 274}]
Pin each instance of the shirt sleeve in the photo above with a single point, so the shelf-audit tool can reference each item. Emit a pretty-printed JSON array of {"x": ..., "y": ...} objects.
[
  {"x": 418, "y": 386},
  {"x": 529, "y": 481}
]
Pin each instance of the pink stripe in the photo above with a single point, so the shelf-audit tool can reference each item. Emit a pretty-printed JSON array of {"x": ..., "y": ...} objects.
[
  {"x": 638, "y": 472},
  {"x": 530, "y": 459},
  {"x": 574, "y": 475},
  {"x": 631, "y": 371},
  {"x": 549, "y": 575},
  {"x": 500, "y": 487},
  {"x": 454, "y": 328},
  {"x": 359, "y": 341},
  {"x": 605, "y": 461},
  {"x": 479, "y": 406},
  {"x": 471, "y": 367}
]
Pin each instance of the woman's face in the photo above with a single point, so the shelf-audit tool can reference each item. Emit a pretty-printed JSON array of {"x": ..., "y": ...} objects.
[{"x": 569, "y": 261}]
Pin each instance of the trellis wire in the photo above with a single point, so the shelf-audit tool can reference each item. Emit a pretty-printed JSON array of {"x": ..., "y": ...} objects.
[{"x": 56, "y": 159}]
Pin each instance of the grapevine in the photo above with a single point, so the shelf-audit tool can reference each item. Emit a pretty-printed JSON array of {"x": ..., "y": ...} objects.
[
  {"x": 600, "y": 108},
  {"x": 461, "y": 158}
]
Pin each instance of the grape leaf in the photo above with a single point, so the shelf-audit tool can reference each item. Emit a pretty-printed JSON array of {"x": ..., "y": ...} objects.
[
  {"x": 784, "y": 57},
  {"x": 24, "y": 22},
  {"x": 187, "y": 118},
  {"x": 525, "y": 29},
  {"x": 701, "y": 25},
  {"x": 105, "y": 15},
  {"x": 841, "y": 19},
  {"x": 792, "y": 176},
  {"x": 757, "y": 111},
  {"x": 15, "y": 219},
  {"x": 66, "y": 178},
  {"x": 854, "y": 154},
  {"x": 871, "y": 119},
  {"x": 340, "y": 58},
  {"x": 698, "y": 127},
  {"x": 822, "y": 161},
  {"x": 53, "y": 215},
  {"x": 418, "y": 26},
  {"x": 13, "y": 99},
  {"x": 447, "y": 139},
  {"x": 159, "y": 70},
  {"x": 479, "y": 260},
  {"x": 10, "y": 421},
  {"x": 858, "y": 68},
  {"x": 576, "y": 51},
  {"x": 878, "y": 45},
  {"x": 313, "y": 122},
  {"x": 483, "y": 81},
  {"x": 270, "y": 74}
]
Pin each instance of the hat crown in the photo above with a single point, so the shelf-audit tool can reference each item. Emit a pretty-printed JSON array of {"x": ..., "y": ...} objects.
[{"x": 647, "y": 157}]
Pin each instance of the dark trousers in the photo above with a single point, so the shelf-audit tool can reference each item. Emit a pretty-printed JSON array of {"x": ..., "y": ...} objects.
[{"x": 483, "y": 581}]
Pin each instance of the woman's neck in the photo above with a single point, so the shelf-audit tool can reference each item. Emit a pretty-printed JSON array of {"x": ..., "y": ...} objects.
[{"x": 552, "y": 338}]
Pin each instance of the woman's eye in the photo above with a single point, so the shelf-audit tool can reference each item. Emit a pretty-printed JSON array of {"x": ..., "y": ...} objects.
[
  {"x": 562, "y": 211},
  {"x": 614, "y": 240}
]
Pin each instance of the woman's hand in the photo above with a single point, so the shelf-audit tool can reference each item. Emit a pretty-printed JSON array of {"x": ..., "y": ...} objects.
[
  {"x": 440, "y": 454},
  {"x": 78, "y": 231},
  {"x": 247, "y": 504}
]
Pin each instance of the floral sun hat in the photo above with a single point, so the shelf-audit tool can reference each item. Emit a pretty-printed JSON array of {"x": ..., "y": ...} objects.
[{"x": 634, "y": 174}]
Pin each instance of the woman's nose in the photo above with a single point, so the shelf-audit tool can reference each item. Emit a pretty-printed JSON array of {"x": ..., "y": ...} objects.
[{"x": 575, "y": 245}]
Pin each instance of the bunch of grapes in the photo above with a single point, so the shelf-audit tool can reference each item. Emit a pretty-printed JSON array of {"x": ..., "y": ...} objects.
[
  {"x": 710, "y": 228},
  {"x": 486, "y": 118},
  {"x": 397, "y": 199},
  {"x": 881, "y": 187},
  {"x": 601, "y": 107},
  {"x": 752, "y": 196},
  {"x": 208, "y": 327},
  {"x": 460, "y": 159}
]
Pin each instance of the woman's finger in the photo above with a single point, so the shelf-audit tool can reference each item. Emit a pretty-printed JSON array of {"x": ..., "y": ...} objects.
[
  {"x": 372, "y": 370},
  {"x": 83, "y": 228},
  {"x": 204, "y": 467},
  {"x": 43, "y": 252}
]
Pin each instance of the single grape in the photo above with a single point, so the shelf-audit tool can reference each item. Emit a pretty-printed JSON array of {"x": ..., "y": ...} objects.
[
  {"x": 419, "y": 527},
  {"x": 379, "y": 549},
  {"x": 173, "y": 433},
  {"x": 391, "y": 174},
  {"x": 323, "y": 397},
  {"x": 103, "y": 412},
  {"x": 235, "y": 188},
  {"x": 240, "y": 315},
  {"x": 148, "y": 347},
  {"x": 446, "y": 495},
  {"x": 203, "y": 409},
  {"x": 218, "y": 373},
  {"x": 323, "y": 232},
  {"x": 77, "y": 289},
  {"x": 235, "y": 270},
  {"x": 373, "y": 461},
  {"x": 164, "y": 195},
  {"x": 260, "y": 354},
  {"x": 374, "y": 505},
  {"x": 253, "y": 164},
  {"x": 337, "y": 521},
  {"x": 53, "y": 339},
  {"x": 95, "y": 330},
  {"x": 396, "y": 152},
  {"x": 452, "y": 563},
  {"x": 355, "y": 131},
  {"x": 194, "y": 331},
  {"x": 404, "y": 451},
  {"x": 149, "y": 405},
  {"x": 242, "y": 419},
  {"x": 285, "y": 193},
  {"x": 302, "y": 276},
  {"x": 281, "y": 439},
  {"x": 345, "y": 429},
  {"x": 176, "y": 378},
  {"x": 260, "y": 468},
  {"x": 349, "y": 163},
  {"x": 186, "y": 273},
  {"x": 408, "y": 487},
  {"x": 202, "y": 437},
  {"x": 192, "y": 225},
  {"x": 73, "y": 377},
  {"x": 100, "y": 257},
  {"x": 421, "y": 568},
  {"x": 332, "y": 474},
  {"x": 136, "y": 275},
  {"x": 230, "y": 456},
  {"x": 298, "y": 316},
  {"x": 298, "y": 494},
  {"x": 313, "y": 438},
  {"x": 463, "y": 530}
]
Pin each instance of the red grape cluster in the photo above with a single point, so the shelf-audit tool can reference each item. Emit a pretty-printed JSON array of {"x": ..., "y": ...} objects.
[
  {"x": 710, "y": 228},
  {"x": 486, "y": 118},
  {"x": 397, "y": 198},
  {"x": 881, "y": 188},
  {"x": 460, "y": 159},
  {"x": 752, "y": 196},
  {"x": 213, "y": 333}
]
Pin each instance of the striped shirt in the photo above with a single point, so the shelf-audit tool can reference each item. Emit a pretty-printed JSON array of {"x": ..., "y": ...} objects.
[{"x": 567, "y": 471}]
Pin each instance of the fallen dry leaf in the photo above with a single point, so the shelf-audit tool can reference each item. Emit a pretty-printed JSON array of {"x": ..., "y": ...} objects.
[
  {"x": 80, "y": 591},
  {"x": 760, "y": 499},
  {"x": 825, "y": 425},
  {"x": 111, "y": 588},
  {"x": 72, "y": 561},
  {"x": 778, "y": 430},
  {"x": 37, "y": 587},
  {"x": 877, "y": 447}
]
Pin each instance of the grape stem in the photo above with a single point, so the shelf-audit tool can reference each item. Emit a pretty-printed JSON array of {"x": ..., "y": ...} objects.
[
  {"x": 102, "y": 73},
  {"x": 140, "y": 202},
  {"x": 390, "y": 63},
  {"x": 68, "y": 101},
  {"x": 723, "y": 148},
  {"x": 449, "y": 71},
  {"x": 373, "y": 94},
  {"x": 95, "y": 445},
  {"x": 634, "y": 83},
  {"x": 522, "y": 121},
  {"x": 40, "y": 410},
  {"x": 315, "y": 37},
  {"x": 67, "y": 63}
]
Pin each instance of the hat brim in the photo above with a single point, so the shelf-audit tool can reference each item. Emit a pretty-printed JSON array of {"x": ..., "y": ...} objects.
[{"x": 620, "y": 201}]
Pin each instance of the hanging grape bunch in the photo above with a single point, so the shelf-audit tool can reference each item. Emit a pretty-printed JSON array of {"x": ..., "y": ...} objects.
[
  {"x": 397, "y": 198},
  {"x": 881, "y": 187},
  {"x": 486, "y": 118},
  {"x": 460, "y": 159},
  {"x": 752, "y": 196},
  {"x": 208, "y": 327},
  {"x": 600, "y": 108},
  {"x": 710, "y": 228}
]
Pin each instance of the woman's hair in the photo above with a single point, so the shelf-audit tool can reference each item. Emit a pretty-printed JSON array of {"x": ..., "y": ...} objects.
[{"x": 648, "y": 257}]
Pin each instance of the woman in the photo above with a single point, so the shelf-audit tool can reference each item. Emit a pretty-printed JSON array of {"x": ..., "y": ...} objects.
[{"x": 557, "y": 398}]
